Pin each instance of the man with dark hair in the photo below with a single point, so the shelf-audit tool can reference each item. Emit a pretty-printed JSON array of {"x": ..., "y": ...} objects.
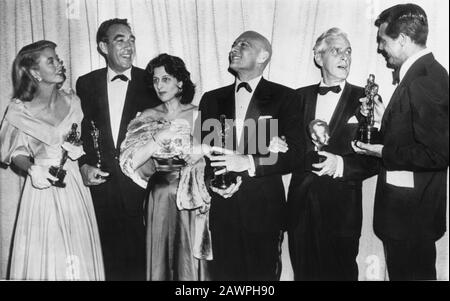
[
  {"x": 410, "y": 200},
  {"x": 325, "y": 199},
  {"x": 246, "y": 219},
  {"x": 110, "y": 98}
]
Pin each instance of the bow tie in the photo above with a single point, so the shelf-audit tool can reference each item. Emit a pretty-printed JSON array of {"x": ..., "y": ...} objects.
[
  {"x": 246, "y": 86},
  {"x": 396, "y": 76},
  {"x": 325, "y": 90},
  {"x": 121, "y": 77}
]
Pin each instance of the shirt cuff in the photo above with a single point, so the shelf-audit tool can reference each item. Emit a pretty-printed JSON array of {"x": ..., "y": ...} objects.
[
  {"x": 251, "y": 170},
  {"x": 339, "y": 168}
]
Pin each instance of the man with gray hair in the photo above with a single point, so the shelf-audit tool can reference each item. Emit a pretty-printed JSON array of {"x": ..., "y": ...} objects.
[{"x": 325, "y": 199}]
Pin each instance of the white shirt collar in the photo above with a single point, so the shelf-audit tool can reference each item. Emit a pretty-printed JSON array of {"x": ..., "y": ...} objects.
[
  {"x": 112, "y": 73},
  {"x": 341, "y": 84},
  {"x": 410, "y": 61},
  {"x": 253, "y": 83}
]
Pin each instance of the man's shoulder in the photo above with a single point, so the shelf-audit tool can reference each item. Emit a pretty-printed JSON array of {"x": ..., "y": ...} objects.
[
  {"x": 91, "y": 77},
  {"x": 94, "y": 73},
  {"x": 306, "y": 89},
  {"x": 219, "y": 91},
  {"x": 436, "y": 70},
  {"x": 276, "y": 86},
  {"x": 354, "y": 88},
  {"x": 139, "y": 72}
]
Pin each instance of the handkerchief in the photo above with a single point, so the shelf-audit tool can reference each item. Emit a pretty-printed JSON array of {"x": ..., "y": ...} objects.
[
  {"x": 400, "y": 178},
  {"x": 353, "y": 119}
]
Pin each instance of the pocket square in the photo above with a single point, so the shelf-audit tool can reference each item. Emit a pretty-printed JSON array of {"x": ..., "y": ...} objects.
[
  {"x": 353, "y": 120},
  {"x": 264, "y": 117}
]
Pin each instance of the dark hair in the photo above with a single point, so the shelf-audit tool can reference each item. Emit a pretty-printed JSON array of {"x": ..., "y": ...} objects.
[
  {"x": 176, "y": 68},
  {"x": 409, "y": 19},
  {"x": 25, "y": 85},
  {"x": 102, "y": 32}
]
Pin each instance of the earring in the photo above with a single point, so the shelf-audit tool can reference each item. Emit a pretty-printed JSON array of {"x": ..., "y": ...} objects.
[{"x": 38, "y": 78}]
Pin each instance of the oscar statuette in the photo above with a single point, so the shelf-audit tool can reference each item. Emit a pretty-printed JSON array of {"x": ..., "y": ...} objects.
[
  {"x": 222, "y": 181},
  {"x": 367, "y": 132},
  {"x": 95, "y": 134},
  {"x": 58, "y": 171},
  {"x": 320, "y": 135}
]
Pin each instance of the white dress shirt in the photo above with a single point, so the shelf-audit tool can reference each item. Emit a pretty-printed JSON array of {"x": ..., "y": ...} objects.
[
  {"x": 325, "y": 107},
  {"x": 326, "y": 104},
  {"x": 242, "y": 100},
  {"x": 117, "y": 91}
]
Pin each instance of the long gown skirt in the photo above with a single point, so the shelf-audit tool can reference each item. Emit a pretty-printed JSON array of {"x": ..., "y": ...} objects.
[
  {"x": 170, "y": 234},
  {"x": 56, "y": 235}
]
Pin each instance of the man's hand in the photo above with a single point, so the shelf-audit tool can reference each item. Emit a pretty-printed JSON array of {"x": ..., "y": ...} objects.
[
  {"x": 198, "y": 151},
  {"x": 229, "y": 160},
  {"x": 327, "y": 167},
  {"x": 228, "y": 192},
  {"x": 378, "y": 108},
  {"x": 92, "y": 176},
  {"x": 278, "y": 145},
  {"x": 367, "y": 149}
]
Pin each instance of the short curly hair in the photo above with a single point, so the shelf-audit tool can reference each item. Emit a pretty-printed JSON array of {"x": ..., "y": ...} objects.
[{"x": 176, "y": 68}]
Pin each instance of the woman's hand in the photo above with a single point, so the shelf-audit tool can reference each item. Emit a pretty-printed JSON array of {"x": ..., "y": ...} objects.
[{"x": 40, "y": 177}]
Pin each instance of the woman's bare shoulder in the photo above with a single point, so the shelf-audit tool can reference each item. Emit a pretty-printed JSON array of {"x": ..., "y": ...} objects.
[{"x": 152, "y": 112}]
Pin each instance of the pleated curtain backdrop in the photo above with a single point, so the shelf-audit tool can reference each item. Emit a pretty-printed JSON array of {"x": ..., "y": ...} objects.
[{"x": 201, "y": 33}]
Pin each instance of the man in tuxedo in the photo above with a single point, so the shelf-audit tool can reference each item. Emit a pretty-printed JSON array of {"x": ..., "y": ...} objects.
[
  {"x": 246, "y": 219},
  {"x": 325, "y": 199},
  {"x": 110, "y": 98},
  {"x": 410, "y": 199}
]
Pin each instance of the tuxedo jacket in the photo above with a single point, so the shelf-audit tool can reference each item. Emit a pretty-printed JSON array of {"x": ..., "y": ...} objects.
[
  {"x": 259, "y": 203},
  {"x": 337, "y": 203},
  {"x": 93, "y": 92},
  {"x": 415, "y": 138}
]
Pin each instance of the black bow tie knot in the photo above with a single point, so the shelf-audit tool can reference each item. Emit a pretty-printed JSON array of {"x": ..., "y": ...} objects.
[
  {"x": 246, "y": 86},
  {"x": 325, "y": 90},
  {"x": 396, "y": 76},
  {"x": 121, "y": 77}
]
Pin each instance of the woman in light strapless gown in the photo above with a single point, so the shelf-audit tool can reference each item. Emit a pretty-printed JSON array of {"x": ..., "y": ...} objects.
[
  {"x": 157, "y": 153},
  {"x": 56, "y": 236}
]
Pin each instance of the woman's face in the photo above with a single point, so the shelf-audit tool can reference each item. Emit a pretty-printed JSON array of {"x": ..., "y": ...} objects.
[
  {"x": 166, "y": 86},
  {"x": 50, "y": 68}
]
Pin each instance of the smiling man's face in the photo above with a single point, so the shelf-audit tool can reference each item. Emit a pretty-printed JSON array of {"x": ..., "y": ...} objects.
[{"x": 120, "y": 48}]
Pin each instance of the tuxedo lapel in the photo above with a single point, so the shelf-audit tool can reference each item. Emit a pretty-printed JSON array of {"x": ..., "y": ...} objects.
[
  {"x": 248, "y": 134},
  {"x": 128, "y": 111},
  {"x": 410, "y": 75},
  {"x": 103, "y": 108},
  {"x": 310, "y": 104},
  {"x": 227, "y": 108},
  {"x": 340, "y": 112}
]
